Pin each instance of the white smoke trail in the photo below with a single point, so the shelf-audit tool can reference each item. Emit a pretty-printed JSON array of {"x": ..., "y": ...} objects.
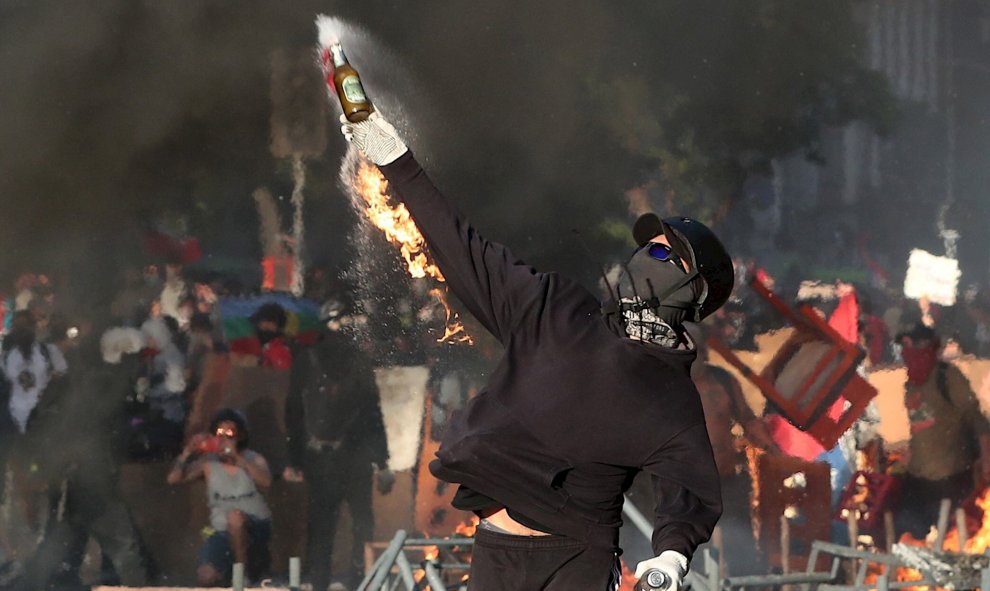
[
  {"x": 299, "y": 178},
  {"x": 918, "y": 50},
  {"x": 903, "y": 62},
  {"x": 949, "y": 236},
  {"x": 932, "y": 54}
]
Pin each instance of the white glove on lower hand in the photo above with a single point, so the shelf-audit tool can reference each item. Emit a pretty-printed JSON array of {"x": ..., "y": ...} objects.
[
  {"x": 673, "y": 564},
  {"x": 375, "y": 138}
]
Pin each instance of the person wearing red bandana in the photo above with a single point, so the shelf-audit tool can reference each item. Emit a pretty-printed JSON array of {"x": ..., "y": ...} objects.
[{"x": 950, "y": 435}]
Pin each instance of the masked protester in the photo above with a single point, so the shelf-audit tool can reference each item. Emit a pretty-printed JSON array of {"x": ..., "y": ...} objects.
[
  {"x": 269, "y": 325},
  {"x": 949, "y": 433},
  {"x": 584, "y": 398},
  {"x": 336, "y": 443}
]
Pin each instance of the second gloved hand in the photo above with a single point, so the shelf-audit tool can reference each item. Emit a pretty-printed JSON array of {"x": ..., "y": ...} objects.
[
  {"x": 375, "y": 138},
  {"x": 673, "y": 564}
]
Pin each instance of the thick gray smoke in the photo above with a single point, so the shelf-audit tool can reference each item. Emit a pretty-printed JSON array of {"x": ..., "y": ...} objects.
[
  {"x": 116, "y": 111},
  {"x": 537, "y": 117}
]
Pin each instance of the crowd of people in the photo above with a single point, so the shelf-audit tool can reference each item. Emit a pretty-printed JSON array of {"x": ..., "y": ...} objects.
[
  {"x": 88, "y": 390},
  {"x": 119, "y": 383},
  {"x": 947, "y": 449}
]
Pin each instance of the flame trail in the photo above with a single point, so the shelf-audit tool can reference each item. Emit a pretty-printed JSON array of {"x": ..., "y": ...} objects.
[
  {"x": 453, "y": 330},
  {"x": 368, "y": 191}
]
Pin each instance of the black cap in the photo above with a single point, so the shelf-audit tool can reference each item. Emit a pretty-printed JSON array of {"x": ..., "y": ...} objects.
[
  {"x": 649, "y": 226},
  {"x": 695, "y": 242}
]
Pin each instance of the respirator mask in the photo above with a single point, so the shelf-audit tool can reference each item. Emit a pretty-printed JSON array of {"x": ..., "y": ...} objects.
[{"x": 656, "y": 295}]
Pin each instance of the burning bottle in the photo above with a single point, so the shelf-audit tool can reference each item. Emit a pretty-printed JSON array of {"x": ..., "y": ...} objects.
[{"x": 347, "y": 83}]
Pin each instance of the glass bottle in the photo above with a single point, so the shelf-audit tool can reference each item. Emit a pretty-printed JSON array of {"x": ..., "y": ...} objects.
[{"x": 347, "y": 83}]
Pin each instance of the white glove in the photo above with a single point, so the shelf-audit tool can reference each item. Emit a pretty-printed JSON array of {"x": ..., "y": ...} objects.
[
  {"x": 673, "y": 564},
  {"x": 375, "y": 138}
]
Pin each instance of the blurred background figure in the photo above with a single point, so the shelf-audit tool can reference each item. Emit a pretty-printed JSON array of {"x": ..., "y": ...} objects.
[
  {"x": 732, "y": 426},
  {"x": 949, "y": 434},
  {"x": 337, "y": 443}
]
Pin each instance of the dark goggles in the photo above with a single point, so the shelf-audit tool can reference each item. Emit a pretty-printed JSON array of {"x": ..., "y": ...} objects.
[{"x": 663, "y": 253}]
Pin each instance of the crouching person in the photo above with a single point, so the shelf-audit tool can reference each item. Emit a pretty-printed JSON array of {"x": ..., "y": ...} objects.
[{"x": 239, "y": 516}]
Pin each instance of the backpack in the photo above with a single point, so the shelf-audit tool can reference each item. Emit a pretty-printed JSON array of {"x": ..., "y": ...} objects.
[{"x": 942, "y": 383}]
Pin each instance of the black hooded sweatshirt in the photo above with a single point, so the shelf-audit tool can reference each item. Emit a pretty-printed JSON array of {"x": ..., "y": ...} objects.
[{"x": 574, "y": 408}]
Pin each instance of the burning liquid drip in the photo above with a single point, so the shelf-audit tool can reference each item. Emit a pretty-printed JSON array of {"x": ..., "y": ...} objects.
[
  {"x": 453, "y": 331},
  {"x": 369, "y": 192}
]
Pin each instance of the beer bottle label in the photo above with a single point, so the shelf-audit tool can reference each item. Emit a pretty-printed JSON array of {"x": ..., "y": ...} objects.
[{"x": 353, "y": 90}]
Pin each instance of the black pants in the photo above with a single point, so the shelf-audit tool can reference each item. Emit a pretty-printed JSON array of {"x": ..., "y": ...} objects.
[
  {"x": 333, "y": 479},
  {"x": 917, "y": 510},
  {"x": 505, "y": 562},
  {"x": 99, "y": 513}
]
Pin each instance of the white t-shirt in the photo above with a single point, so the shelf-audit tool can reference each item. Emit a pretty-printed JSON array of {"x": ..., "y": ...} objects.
[{"x": 28, "y": 378}]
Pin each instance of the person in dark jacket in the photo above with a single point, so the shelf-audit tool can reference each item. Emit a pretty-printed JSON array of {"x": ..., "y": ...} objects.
[
  {"x": 84, "y": 452},
  {"x": 585, "y": 396},
  {"x": 337, "y": 444}
]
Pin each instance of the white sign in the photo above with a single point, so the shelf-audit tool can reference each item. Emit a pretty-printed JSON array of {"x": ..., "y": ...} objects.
[
  {"x": 934, "y": 277},
  {"x": 402, "y": 392}
]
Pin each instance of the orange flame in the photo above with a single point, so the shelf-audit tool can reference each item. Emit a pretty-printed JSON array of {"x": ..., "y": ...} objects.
[
  {"x": 902, "y": 574},
  {"x": 429, "y": 553},
  {"x": 399, "y": 228},
  {"x": 467, "y": 528},
  {"x": 753, "y": 454},
  {"x": 453, "y": 331},
  {"x": 394, "y": 221},
  {"x": 978, "y": 542},
  {"x": 628, "y": 580}
]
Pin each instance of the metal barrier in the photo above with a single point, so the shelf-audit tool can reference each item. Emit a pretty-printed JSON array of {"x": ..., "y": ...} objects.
[
  {"x": 858, "y": 561},
  {"x": 393, "y": 567}
]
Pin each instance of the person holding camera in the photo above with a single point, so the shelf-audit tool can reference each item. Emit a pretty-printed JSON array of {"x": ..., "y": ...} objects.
[{"x": 240, "y": 519}]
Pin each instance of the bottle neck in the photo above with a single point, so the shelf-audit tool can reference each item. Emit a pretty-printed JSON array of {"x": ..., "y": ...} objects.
[{"x": 337, "y": 52}]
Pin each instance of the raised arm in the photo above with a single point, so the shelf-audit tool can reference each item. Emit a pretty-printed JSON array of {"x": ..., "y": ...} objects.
[
  {"x": 485, "y": 276},
  {"x": 185, "y": 469}
]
